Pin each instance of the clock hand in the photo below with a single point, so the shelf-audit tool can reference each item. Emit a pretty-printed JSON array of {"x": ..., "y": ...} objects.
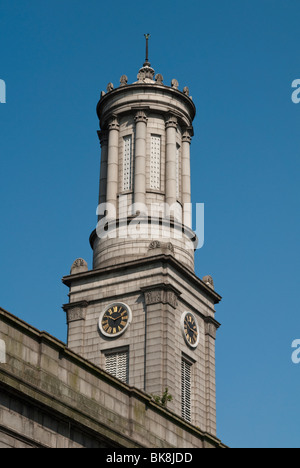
[
  {"x": 196, "y": 333},
  {"x": 119, "y": 316}
]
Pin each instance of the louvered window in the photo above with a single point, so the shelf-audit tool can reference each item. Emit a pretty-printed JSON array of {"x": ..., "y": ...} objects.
[
  {"x": 155, "y": 162},
  {"x": 127, "y": 158},
  {"x": 177, "y": 172},
  {"x": 186, "y": 389},
  {"x": 117, "y": 364}
]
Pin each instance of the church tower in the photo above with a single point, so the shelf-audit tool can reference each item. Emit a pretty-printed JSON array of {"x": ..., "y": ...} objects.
[{"x": 141, "y": 313}]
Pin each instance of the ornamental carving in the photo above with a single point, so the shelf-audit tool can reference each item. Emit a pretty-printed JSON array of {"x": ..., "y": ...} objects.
[
  {"x": 210, "y": 330},
  {"x": 75, "y": 311},
  {"x": 140, "y": 116},
  {"x": 154, "y": 245},
  {"x": 171, "y": 121},
  {"x": 209, "y": 281},
  {"x": 172, "y": 299},
  {"x": 113, "y": 124},
  {"x": 123, "y": 80},
  {"x": 110, "y": 87},
  {"x": 79, "y": 262},
  {"x": 153, "y": 297},
  {"x": 145, "y": 73},
  {"x": 79, "y": 266},
  {"x": 170, "y": 246},
  {"x": 141, "y": 76},
  {"x": 187, "y": 136},
  {"x": 211, "y": 327},
  {"x": 75, "y": 314},
  {"x": 164, "y": 295},
  {"x": 159, "y": 79},
  {"x": 174, "y": 84},
  {"x": 161, "y": 245}
]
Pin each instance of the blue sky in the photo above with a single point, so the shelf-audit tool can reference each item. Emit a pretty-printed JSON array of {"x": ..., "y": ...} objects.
[{"x": 239, "y": 59}]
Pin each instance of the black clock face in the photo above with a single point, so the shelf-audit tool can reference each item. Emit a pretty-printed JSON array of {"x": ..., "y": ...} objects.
[
  {"x": 115, "y": 320},
  {"x": 190, "y": 328}
]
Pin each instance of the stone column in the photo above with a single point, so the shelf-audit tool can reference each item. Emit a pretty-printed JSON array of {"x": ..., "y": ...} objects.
[
  {"x": 171, "y": 126},
  {"x": 211, "y": 327},
  {"x": 103, "y": 137},
  {"x": 76, "y": 313},
  {"x": 160, "y": 358},
  {"x": 140, "y": 158},
  {"x": 186, "y": 177},
  {"x": 112, "y": 165}
]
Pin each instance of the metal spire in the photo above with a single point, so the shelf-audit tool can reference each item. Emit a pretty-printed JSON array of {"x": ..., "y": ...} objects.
[
  {"x": 146, "y": 73},
  {"x": 147, "y": 63}
]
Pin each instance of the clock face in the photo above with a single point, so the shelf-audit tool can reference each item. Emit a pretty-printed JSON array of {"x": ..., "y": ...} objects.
[
  {"x": 115, "y": 319},
  {"x": 190, "y": 329}
]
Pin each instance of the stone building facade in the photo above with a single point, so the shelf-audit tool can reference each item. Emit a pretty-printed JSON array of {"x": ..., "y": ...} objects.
[
  {"x": 50, "y": 397},
  {"x": 140, "y": 322}
]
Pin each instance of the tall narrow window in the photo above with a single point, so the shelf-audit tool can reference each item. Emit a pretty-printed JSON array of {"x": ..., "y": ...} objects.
[
  {"x": 117, "y": 364},
  {"x": 155, "y": 162},
  {"x": 127, "y": 159},
  {"x": 177, "y": 172},
  {"x": 186, "y": 389},
  {"x": 2, "y": 352}
]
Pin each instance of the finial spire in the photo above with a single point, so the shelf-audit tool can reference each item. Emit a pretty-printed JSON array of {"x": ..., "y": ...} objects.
[
  {"x": 147, "y": 63},
  {"x": 146, "y": 73}
]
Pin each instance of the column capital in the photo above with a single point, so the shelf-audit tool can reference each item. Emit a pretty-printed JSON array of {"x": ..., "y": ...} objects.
[
  {"x": 211, "y": 327},
  {"x": 103, "y": 137},
  {"x": 187, "y": 135},
  {"x": 113, "y": 124},
  {"x": 140, "y": 116},
  {"x": 75, "y": 311},
  {"x": 171, "y": 121},
  {"x": 163, "y": 293}
]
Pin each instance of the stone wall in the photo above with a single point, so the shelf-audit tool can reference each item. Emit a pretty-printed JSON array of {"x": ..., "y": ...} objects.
[
  {"x": 51, "y": 397},
  {"x": 158, "y": 291}
]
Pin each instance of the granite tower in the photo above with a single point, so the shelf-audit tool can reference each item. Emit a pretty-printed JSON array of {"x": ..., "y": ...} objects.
[{"x": 140, "y": 312}]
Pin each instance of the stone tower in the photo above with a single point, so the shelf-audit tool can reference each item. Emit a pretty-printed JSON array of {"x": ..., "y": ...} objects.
[{"x": 141, "y": 313}]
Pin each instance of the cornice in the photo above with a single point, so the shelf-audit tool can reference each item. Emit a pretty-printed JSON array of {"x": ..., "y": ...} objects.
[
  {"x": 167, "y": 260},
  {"x": 149, "y": 97}
]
